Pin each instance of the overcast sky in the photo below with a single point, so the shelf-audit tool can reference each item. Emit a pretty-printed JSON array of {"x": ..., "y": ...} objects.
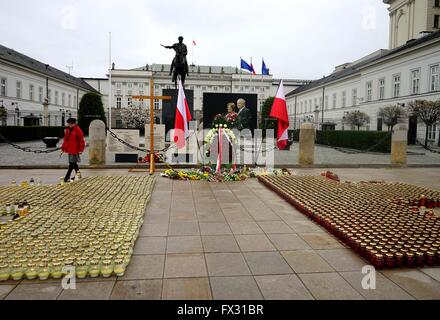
[{"x": 301, "y": 39}]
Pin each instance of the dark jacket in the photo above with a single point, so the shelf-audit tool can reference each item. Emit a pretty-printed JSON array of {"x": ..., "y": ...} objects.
[
  {"x": 73, "y": 141},
  {"x": 245, "y": 118}
]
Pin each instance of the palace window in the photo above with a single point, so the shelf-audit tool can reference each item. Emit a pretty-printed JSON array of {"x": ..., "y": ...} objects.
[
  {"x": 369, "y": 91},
  {"x": 118, "y": 85},
  {"x": 130, "y": 85},
  {"x": 344, "y": 99},
  {"x": 70, "y": 100},
  {"x": 334, "y": 101},
  {"x": 326, "y": 102},
  {"x": 74, "y": 101},
  {"x": 415, "y": 81},
  {"x": 436, "y": 21},
  {"x": 396, "y": 86},
  {"x": 129, "y": 101},
  {"x": 156, "y": 104},
  {"x": 56, "y": 97},
  {"x": 381, "y": 89},
  {"x": 354, "y": 97},
  {"x": 49, "y": 96},
  {"x": 434, "y": 78},
  {"x": 118, "y": 103},
  {"x": 3, "y": 82},
  {"x": 18, "y": 89},
  {"x": 141, "y": 86},
  {"x": 437, "y": 3},
  {"x": 31, "y": 92},
  {"x": 63, "y": 99},
  {"x": 40, "y": 94}
]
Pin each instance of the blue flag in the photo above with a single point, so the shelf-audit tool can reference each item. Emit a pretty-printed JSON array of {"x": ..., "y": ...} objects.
[
  {"x": 246, "y": 66},
  {"x": 264, "y": 69}
]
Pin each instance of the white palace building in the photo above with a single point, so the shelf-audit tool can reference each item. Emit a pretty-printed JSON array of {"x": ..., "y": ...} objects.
[
  {"x": 409, "y": 70},
  {"x": 127, "y": 83}
]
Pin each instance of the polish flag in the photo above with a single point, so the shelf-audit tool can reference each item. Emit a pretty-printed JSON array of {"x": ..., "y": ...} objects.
[
  {"x": 183, "y": 116},
  {"x": 279, "y": 111}
]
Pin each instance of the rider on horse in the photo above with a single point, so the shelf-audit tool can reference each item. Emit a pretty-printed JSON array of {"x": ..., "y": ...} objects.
[{"x": 180, "y": 58}]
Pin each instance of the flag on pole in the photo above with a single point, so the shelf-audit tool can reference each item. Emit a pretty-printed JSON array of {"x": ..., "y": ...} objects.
[
  {"x": 194, "y": 43},
  {"x": 253, "y": 70},
  {"x": 247, "y": 66},
  {"x": 183, "y": 116},
  {"x": 264, "y": 69},
  {"x": 279, "y": 111}
]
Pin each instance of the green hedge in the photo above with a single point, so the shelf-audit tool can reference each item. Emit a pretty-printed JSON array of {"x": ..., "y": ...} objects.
[
  {"x": 20, "y": 134},
  {"x": 359, "y": 140}
]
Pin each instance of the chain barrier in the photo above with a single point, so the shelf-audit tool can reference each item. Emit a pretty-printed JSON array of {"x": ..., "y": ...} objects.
[{"x": 27, "y": 149}]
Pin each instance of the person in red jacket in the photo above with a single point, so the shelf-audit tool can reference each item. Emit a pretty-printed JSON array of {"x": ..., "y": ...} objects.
[{"x": 73, "y": 145}]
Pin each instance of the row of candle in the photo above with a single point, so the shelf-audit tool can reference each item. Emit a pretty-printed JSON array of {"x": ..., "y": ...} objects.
[
  {"x": 373, "y": 219},
  {"x": 91, "y": 225}
]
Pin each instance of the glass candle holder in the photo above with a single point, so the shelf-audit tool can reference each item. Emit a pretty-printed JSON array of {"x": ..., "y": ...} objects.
[
  {"x": 43, "y": 271},
  {"x": 81, "y": 269},
  {"x": 56, "y": 270},
  {"x": 5, "y": 272},
  {"x": 17, "y": 272},
  {"x": 95, "y": 268},
  {"x": 120, "y": 267},
  {"x": 107, "y": 268},
  {"x": 31, "y": 271}
]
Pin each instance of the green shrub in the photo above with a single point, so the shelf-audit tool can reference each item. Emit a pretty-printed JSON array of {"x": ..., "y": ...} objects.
[
  {"x": 90, "y": 108},
  {"x": 20, "y": 134},
  {"x": 359, "y": 140}
]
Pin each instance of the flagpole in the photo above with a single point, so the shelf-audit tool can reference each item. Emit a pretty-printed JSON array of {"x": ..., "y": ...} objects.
[
  {"x": 193, "y": 53},
  {"x": 110, "y": 83}
]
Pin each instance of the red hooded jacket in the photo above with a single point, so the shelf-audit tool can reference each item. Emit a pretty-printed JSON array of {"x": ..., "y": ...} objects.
[{"x": 73, "y": 141}]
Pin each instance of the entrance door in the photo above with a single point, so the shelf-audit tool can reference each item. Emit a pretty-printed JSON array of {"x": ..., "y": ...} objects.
[
  {"x": 379, "y": 124},
  {"x": 412, "y": 130}
]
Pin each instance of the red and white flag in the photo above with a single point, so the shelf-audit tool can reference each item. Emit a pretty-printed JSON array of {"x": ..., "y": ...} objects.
[
  {"x": 183, "y": 116},
  {"x": 279, "y": 111}
]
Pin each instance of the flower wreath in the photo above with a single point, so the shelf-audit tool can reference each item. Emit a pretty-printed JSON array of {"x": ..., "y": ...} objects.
[{"x": 214, "y": 132}]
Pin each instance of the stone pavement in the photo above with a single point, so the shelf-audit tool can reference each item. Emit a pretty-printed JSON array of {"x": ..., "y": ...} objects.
[{"x": 238, "y": 241}]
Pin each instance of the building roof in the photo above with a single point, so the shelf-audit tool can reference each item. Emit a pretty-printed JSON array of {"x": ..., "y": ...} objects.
[
  {"x": 354, "y": 68},
  {"x": 22, "y": 60}
]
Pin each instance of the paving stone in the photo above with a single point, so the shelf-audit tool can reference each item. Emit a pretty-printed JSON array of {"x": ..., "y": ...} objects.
[
  {"x": 343, "y": 259},
  {"x": 283, "y": 287},
  {"x": 5, "y": 289},
  {"x": 210, "y": 217},
  {"x": 306, "y": 261},
  {"x": 187, "y": 289},
  {"x": 304, "y": 226},
  {"x": 154, "y": 230},
  {"x": 89, "y": 291},
  {"x": 262, "y": 263},
  {"x": 275, "y": 227},
  {"x": 245, "y": 228},
  {"x": 385, "y": 289},
  {"x": 219, "y": 244},
  {"x": 235, "y": 288},
  {"x": 188, "y": 228},
  {"x": 185, "y": 266},
  {"x": 137, "y": 290},
  {"x": 187, "y": 244},
  {"x": 250, "y": 243},
  {"x": 145, "y": 267},
  {"x": 329, "y": 286},
  {"x": 226, "y": 264},
  {"x": 287, "y": 242},
  {"x": 416, "y": 283},
  {"x": 432, "y": 272},
  {"x": 214, "y": 229},
  {"x": 35, "y": 292},
  {"x": 321, "y": 241},
  {"x": 150, "y": 245}
]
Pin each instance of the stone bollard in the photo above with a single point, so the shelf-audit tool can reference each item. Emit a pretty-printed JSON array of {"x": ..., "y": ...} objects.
[
  {"x": 399, "y": 143},
  {"x": 97, "y": 144},
  {"x": 307, "y": 145}
]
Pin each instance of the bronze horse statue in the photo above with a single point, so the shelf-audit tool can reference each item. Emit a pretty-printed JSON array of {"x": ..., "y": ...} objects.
[{"x": 179, "y": 66}]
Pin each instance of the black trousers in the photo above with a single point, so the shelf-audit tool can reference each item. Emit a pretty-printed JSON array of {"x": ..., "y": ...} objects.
[{"x": 72, "y": 166}]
